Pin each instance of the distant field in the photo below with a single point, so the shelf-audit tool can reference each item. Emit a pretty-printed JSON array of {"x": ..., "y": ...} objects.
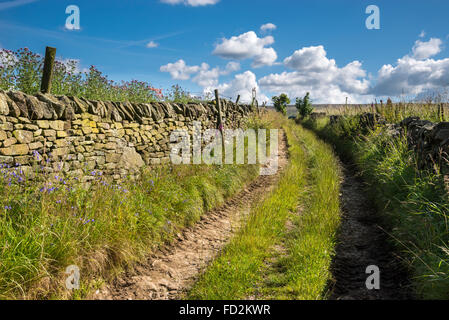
[{"x": 291, "y": 110}]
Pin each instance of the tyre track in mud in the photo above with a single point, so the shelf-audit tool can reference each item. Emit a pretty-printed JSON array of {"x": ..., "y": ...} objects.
[
  {"x": 172, "y": 270},
  {"x": 361, "y": 243}
]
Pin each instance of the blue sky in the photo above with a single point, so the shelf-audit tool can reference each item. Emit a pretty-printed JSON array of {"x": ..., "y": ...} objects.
[{"x": 321, "y": 46}]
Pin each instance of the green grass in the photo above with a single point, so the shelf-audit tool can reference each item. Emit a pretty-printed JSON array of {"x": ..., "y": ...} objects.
[
  {"x": 49, "y": 223},
  {"x": 250, "y": 265},
  {"x": 415, "y": 203}
]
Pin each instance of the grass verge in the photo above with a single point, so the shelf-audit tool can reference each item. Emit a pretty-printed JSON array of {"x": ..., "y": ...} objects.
[
  {"x": 49, "y": 224},
  {"x": 244, "y": 270}
]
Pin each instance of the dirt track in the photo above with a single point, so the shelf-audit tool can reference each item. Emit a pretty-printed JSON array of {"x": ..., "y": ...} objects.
[
  {"x": 168, "y": 273},
  {"x": 363, "y": 243}
]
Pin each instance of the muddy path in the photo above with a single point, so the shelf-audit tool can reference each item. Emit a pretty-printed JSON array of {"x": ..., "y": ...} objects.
[
  {"x": 172, "y": 270},
  {"x": 361, "y": 243}
]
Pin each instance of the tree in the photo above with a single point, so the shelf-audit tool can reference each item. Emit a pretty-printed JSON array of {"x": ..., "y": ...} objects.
[
  {"x": 281, "y": 102},
  {"x": 304, "y": 106}
]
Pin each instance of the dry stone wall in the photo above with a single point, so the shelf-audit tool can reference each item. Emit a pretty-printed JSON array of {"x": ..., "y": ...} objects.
[
  {"x": 429, "y": 141},
  {"x": 78, "y": 136}
]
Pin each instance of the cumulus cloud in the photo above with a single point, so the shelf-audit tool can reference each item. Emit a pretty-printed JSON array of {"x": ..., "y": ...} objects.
[
  {"x": 248, "y": 46},
  {"x": 310, "y": 59},
  {"x": 203, "y": 75},
  {"x": 310, "y": 70},
  {"x": 242, "y": 85},
  {"x": 192, "y": 3},
  {"x": 424, "y": 50},
  {"x": 268, "y": 27},
  {"x": 208, "y": 78},
  {"x": 411, "y": 76},
  {"x": 416, "y": 73},
  {"x": 314, "y": 72},
  {"x": 180, "y": 70}
]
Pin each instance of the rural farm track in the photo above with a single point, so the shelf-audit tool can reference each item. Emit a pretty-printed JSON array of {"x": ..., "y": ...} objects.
[
  {"x": 172, "y": 270},
  {"x": 361, "y": 243}
]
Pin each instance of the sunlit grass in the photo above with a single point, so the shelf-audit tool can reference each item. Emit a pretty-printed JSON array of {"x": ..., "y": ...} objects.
[
  {"x": 311, "y": 180},
  {"x": 414, "y": 203}
]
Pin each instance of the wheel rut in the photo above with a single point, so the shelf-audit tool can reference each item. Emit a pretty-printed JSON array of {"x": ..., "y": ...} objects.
[
  {"x": 362, "y": 243},
  {"x": 169, "y": 272}
]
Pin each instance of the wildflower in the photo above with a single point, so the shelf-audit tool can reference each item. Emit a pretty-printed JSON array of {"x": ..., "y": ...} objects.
[{"x": 8, "y": 207}]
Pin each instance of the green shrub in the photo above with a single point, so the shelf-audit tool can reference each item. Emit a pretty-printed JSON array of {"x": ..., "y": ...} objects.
[
  {"x": 281, "y": 102},
  {"x": 304, "y": 106}
]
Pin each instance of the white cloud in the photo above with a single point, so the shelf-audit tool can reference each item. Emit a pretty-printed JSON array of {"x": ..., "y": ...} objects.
[
  {"x": 424, "y": 50},
  {"x": 204, "y": 76},
  {"x": 248, "y": 46},
  {"x": 242, "y": 85},
  {"x": 192, "y": 3},
  {"x": 414, "y": 74},
  {"x": 179, "y": 70},
  {"x": 312, "y": 59},
  {"x": 411, "y": 76},
  {"x": 268, "y": 27},
  {"x": 313, "y": 72},
  {"x": 152, "y": 44},
  {"x": 422, "y": 34}
]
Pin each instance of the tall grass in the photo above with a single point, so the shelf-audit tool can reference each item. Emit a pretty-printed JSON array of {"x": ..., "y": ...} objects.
[
  {"x": 395, "y": 112},
  {"x": 414, "y": 203},
  {"x": 242, "y": 270},
  {"x": 51, "y": 221}
]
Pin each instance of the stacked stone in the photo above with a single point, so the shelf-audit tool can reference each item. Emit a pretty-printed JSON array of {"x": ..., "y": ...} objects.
[
  {"x": 80, "y": 136},
  {"x": 430, "y": 142}
]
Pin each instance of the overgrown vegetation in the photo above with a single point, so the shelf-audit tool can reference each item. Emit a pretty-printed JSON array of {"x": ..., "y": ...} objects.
[
  {"x": 298, "y": 242},
  {"x": 51, "y": 222},
  {"x": 22, "y": 70},
  {"x": 415, "y": 203}
]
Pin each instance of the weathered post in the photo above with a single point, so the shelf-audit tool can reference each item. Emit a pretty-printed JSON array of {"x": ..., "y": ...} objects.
[
  {"x": 441, "y": 116},
  {"x": 50, "y": 54},
  {"x": 220, "y": 120},
  {"x": 238, "y": 99}
]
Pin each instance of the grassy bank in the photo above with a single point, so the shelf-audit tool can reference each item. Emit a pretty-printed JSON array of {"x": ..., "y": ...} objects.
[
  {"x": 300, "y": 217},
  {"x": 53, "y": 222},
  {"x": 414, "y": 203}
]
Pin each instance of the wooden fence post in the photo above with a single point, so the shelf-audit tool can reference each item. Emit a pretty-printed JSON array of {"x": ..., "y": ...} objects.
[
  {"x": 220, "y": 121},
  {"x": 238, "y": 99},
  {"x": 50, "y": 54},
  {"x": 443, "y": 115}
]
